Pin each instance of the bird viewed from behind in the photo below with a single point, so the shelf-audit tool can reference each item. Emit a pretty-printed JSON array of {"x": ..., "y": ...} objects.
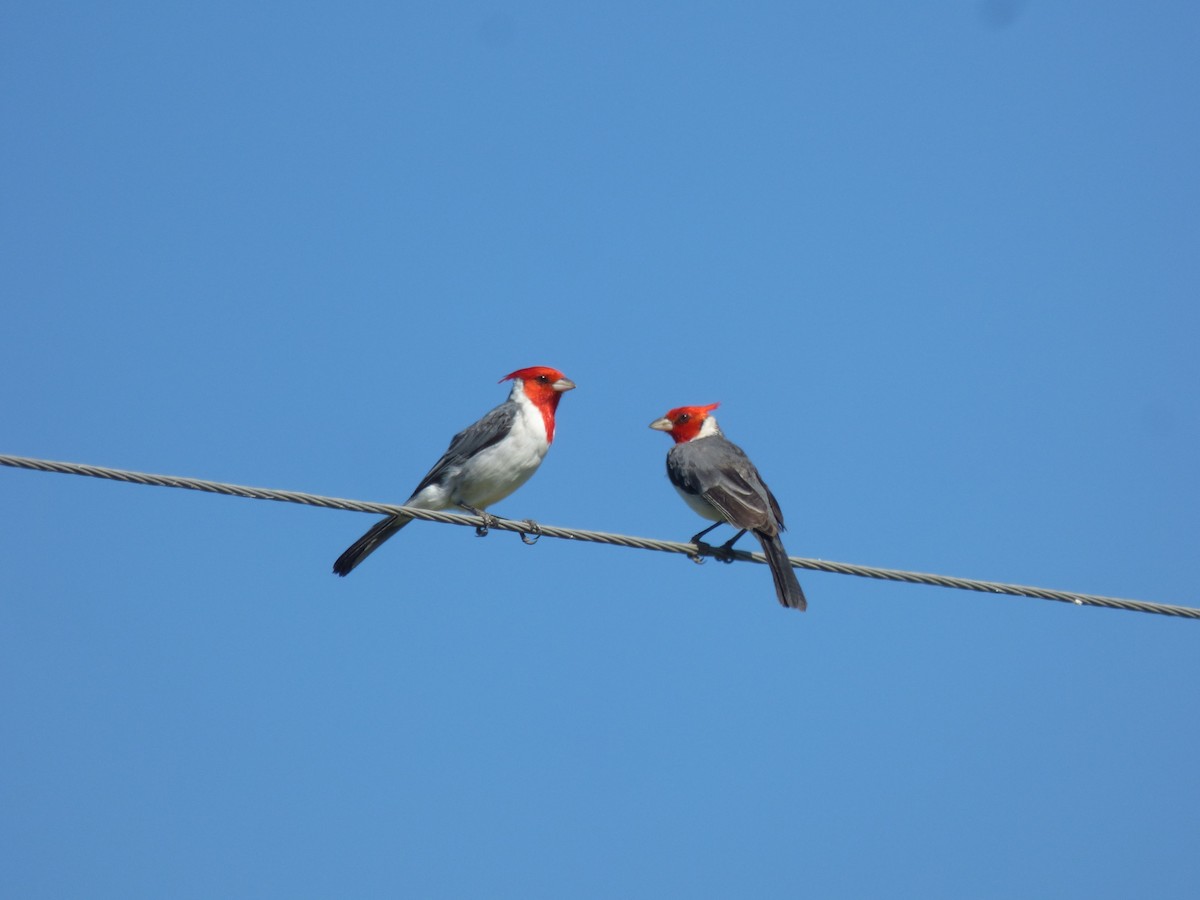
[{"x": 717, "y": 480}]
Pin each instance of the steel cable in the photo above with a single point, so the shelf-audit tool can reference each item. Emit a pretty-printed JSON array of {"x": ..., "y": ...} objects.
[{"x": 537, "y": 529}]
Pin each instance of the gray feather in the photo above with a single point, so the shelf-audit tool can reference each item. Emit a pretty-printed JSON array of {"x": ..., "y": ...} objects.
[
  {"x": 472, "y": 439},
  {"x": 718, "y": 470}
]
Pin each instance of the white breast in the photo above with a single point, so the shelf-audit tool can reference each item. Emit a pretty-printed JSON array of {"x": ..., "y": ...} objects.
[{"x": 496, "y": 472}]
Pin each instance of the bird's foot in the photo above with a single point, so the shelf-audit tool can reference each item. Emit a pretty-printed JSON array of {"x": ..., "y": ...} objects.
[
  {"x": 488, "y": 520},
  {"x": 724, "y": 553},
  {"x": 703, "y": 549},
  {"x": 534, "y": 532}
]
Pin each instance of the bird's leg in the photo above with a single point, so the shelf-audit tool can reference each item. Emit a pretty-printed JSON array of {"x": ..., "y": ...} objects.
[
  {"x": 488, "y": 520},
  {"x": 725, "y": 552},
  {"x": 698, "y": 556},
  {"x": 728, "y": 545},
  {"x": 696, "y": 537}
]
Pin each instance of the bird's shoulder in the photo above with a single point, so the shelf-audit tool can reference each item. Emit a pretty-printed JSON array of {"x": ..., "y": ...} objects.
[
  {"x": 720, "y": 471},
  {"x": 485, "y": 432},
  {"x": 706, "y": 451}
]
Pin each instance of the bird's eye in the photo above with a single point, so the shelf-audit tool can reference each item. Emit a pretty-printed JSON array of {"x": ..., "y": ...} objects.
[
  {"x": 543, "y": 379},
  {"x": 683, "y": 418}
]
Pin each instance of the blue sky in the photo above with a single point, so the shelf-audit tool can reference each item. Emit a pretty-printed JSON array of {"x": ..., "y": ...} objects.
[{"x": 937, "y": 261}]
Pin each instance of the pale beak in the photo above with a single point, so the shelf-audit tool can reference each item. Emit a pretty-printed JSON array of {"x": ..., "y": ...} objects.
[
  {"x": 563, "y": 384},
  {"x": 663, "y": 424}
]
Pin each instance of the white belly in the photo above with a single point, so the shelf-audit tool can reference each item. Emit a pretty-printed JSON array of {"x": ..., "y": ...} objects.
[
  {"x": 494, "y": 473},
  {"x": 700, "y": 506}
]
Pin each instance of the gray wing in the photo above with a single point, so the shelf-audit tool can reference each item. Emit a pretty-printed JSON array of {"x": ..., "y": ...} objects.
[
  {"x": 471, "y": 440},
  {"x": 719, "y": 470}
]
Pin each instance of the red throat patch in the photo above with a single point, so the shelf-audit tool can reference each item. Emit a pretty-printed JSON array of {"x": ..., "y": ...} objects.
[{"x": 538, "y": 383}]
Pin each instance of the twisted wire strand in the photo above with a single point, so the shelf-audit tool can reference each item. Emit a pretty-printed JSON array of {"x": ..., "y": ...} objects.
[{"x": 526, "y": 528}]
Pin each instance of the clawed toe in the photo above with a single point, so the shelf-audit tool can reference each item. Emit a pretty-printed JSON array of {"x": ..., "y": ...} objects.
[
  {"x": 532, "y": 534},
  {"x": 488, "y": 520}
]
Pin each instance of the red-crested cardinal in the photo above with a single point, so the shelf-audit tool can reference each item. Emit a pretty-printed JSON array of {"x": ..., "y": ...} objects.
[
  {"x": 716, "y": 479},
  {"x": 485, "y": 462}
]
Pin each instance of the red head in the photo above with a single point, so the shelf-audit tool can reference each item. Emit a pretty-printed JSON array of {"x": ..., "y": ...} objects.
[
  {"x": 684, "y": 422},
  {"x": 544, "y": 387}
]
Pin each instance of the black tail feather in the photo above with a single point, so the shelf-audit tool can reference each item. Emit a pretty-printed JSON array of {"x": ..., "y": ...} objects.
[
  {"x": 365, "y": 545},
  {"x": 787, "y": 587}
]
